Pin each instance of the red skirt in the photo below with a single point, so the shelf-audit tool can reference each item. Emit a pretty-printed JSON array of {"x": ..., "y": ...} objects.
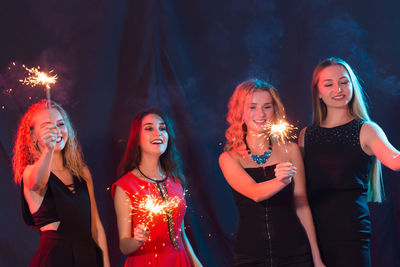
[{"x": 56, "y": 250}]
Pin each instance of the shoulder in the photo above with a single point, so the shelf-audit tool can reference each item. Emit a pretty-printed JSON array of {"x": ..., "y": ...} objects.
[
  {"x": 292, "y": 148},
  {"x": 370, "y": 130},
  {"x": 87, "y": 176},
  {"x": 229, "y": 157},
  {"x": 175, "y": 181},
  {"x": 127, "y": 183},
  {"x": 370, "y": 127}
]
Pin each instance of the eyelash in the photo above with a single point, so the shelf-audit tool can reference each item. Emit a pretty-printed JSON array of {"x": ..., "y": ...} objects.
[
  {"x": 330, "y": 84},
  {"x": 151, "y": 128},
  {"x": 266, "y": 107}
]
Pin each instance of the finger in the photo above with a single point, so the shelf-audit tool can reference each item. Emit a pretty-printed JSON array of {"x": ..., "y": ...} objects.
[
  {"x": 141, "y": 227},
  {"x": 142, "y": 230},
  {"x": 285, "y": 171},
  {"x": 284, "y": 164},
  {"x": 291, "y": 171},
  {"x": 49, "y": 137},
  {"x": 141, "y": 238},
  {"x": 50, "y": 130},
  {"x": 285, "y": 168}
]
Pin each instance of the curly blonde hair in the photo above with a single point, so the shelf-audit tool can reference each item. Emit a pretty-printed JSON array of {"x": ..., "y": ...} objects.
[
  {"x": 237, "y": 129},
  {"x": 26, "y": 150}
]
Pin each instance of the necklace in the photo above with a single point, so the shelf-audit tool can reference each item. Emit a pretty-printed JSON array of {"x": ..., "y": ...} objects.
[
  {"x": 152, "y": 179},
  {"x": 260, "y": 159}
]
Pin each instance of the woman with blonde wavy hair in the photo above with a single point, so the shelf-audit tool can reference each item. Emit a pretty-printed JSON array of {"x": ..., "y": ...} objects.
[
  {"x": 57, "y": 190},
  {"x": 342, "y": 150},
  {"x": 275, "y": 223}
]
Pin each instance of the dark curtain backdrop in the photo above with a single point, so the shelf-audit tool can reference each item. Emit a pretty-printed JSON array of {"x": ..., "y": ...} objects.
[{"x": 115, "y": 58}]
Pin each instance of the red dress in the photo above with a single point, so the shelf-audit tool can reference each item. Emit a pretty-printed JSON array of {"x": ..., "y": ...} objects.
[{"x": 165, "y": 245}]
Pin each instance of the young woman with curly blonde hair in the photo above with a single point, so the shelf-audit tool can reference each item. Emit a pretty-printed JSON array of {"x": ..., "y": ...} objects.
[
  {"x": 57, "y": 190},
  {"x": 275, "y": 225}
]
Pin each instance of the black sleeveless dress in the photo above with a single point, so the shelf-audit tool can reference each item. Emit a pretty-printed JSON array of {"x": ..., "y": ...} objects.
[
  {"x": 71, "y": 245},
  {"x": 337, "y": 171},
  {"x": 270, "y": 233}
]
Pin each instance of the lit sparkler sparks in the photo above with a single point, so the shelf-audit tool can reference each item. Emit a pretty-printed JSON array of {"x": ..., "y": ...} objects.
[
  {"x": 153, "y": 205},
  {"x": 36, "y": 77},
  {"x": 282, "y": 130}
]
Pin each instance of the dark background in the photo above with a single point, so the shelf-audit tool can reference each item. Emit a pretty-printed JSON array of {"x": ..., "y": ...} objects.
[{"x": 116, "y": 57}]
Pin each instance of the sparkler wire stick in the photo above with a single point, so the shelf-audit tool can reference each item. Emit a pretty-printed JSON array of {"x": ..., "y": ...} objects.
[{"x": 281, "y": 129}]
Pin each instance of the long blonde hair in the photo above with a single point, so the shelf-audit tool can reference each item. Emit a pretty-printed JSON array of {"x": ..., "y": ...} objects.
[
  {"x": 26, "y": 150},
  {"x": 357, "y": 108},
  {"x": 237, "y": 129}
]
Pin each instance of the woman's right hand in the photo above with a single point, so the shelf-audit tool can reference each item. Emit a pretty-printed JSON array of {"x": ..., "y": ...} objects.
[
  {"x": 284, "y": 172},
  {"x": 48, "y": 137},
  {"x": 141, "y": 233}
]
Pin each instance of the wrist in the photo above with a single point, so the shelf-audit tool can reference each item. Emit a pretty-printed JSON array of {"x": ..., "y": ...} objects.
[
  {"x": 282, "y": 181},
  {"x": 48, "y": 151}
]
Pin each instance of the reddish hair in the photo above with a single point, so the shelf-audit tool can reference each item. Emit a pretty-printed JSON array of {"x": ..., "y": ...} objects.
[
  {"x": 26, "y": 150},
  {"x": 237, "y": 129}
]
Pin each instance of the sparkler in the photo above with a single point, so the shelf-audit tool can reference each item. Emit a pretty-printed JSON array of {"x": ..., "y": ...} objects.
[
  {"x": 282, "y": 130},
  {"x": 36, "y": 77},
  {"x": 153, "y": 205}
]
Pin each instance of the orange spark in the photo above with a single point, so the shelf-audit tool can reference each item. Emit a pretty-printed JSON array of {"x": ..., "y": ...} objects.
[
  {"x": 36, "y": 77},
  {"x": 281, "y": 129}
]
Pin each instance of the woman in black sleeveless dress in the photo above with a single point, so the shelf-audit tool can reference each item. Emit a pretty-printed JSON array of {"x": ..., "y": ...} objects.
[
  {"x": 340, "y": 151},
  {"x": 57, "y": 190},
  {"x": 275, "y": 224}
]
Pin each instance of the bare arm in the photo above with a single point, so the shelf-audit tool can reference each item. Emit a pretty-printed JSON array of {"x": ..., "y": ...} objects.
[
  {"x": 239, "y": 180},
  {"x": 301, "y": 203},
  {"x": 35, "y": 176},
  {"x": 374, "y": 142},
  {"x": 98, "y": 233},
  {"x": 127, "y": 243},
  {"x": 194, "y": 261}
]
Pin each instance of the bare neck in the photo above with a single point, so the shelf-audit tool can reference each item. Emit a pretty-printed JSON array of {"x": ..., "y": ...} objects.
[
  {"x": 336, "y": 117},
  {"x": 257, "y": 142},
  {"x": 150, "y": 165},
  {"x": 57, "y": 163}
]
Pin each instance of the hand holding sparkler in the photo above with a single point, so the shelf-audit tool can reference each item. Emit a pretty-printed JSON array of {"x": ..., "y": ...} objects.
[
  {"x": 284, "y": 172},
  {"x": 48, "y": 137},
  {"x": 141, "y": 233},
  {"x": 282, "y": 130}
]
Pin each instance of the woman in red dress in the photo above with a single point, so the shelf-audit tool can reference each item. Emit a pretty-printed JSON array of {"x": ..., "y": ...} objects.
[{"x": 151, "y": 178}]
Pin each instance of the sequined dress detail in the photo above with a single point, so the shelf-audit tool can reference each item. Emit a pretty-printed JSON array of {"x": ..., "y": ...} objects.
[
  {"x": 337, "y": 172},
  {"x": 165, "y": 245}
]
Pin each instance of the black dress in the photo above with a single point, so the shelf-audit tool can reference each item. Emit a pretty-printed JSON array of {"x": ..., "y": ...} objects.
[
  {"x": 337, "y": 172},
  {"x": 71, "y": 245},
  {"x": 269, "y": 232}
]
